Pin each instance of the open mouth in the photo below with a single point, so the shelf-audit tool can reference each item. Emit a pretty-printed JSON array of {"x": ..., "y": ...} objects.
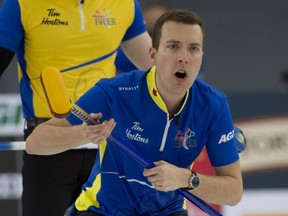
[{"x": 181, "y": 74}]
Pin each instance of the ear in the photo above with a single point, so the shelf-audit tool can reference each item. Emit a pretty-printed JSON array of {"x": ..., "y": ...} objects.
[{"x": 152, "y": 53}]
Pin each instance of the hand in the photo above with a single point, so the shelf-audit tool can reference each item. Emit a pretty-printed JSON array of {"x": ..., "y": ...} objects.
[
  {"x": 97, "y": 133},
  {"x": 167, "y": 177}
]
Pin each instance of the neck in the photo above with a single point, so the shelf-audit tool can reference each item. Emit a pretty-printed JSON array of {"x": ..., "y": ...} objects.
[{"x": 174, "y": 104}]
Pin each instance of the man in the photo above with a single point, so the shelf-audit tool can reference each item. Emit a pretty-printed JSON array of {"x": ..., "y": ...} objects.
[
  {"x": 80, "y": 38},
  {"x": 166, "y": 114}
]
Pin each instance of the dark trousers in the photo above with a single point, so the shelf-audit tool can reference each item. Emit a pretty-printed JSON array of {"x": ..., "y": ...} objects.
[
  {"x": 184, "y": 213},
  {"x": 52, "y": 183}
]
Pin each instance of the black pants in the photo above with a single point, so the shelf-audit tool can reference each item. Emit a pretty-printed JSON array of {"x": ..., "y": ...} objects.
[
  {"x": 52, "y": 183},
  {"x": 184, "y": 213}
]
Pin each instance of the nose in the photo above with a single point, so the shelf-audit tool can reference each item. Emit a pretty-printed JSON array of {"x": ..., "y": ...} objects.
[{"x": 183, "y": 58}]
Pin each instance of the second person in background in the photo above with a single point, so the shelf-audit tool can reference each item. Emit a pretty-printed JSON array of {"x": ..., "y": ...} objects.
[{"x": 151, "y": 13}]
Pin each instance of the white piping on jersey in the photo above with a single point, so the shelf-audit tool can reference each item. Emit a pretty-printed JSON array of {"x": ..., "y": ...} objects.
[
  {"x": 135, "y": 180},
  {"x": 129, "y": 180},
  {"x": 82, "y": 17},
  {"x": 164, "y": 138}
]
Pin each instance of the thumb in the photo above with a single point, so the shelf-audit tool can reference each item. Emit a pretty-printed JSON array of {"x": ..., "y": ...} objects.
[
  {"x": 96, "y": 116},
  {"x": 158, "y": 163}
]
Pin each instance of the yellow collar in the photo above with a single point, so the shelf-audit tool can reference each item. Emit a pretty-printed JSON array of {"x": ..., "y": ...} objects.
[{"x": 153, "y": 91}]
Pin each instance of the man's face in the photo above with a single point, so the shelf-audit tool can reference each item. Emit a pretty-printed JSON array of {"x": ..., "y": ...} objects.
[{"x": 178, "y": 58}]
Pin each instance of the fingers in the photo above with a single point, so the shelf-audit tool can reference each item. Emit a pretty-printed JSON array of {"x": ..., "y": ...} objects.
[
  {"x": 161, "y": 162},
  {"x": 155, "y": 170},
  {"x": 98, "y": 133},
  {"x": 110, "y": 125},
  {"x": 159, "y": 185},
  {"x": 153, "y": 177},
  {"x": 96, "y": 116},
  {"x": 162, "y": 177},
  {"x": 156, "y": 184}
]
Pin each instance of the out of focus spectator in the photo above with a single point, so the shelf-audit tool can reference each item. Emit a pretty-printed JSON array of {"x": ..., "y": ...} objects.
[{"x": 151, "y": 13}]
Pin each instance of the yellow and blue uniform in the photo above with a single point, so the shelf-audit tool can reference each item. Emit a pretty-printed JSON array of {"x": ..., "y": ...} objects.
[
  {"x": 81, "y": 40},
  {"x": 116, "y": 185}
]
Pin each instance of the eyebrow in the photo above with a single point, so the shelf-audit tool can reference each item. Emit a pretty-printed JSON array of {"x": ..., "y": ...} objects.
[
  {"x": 172, "y": 41},
  {"x": 178, "y": 42}
]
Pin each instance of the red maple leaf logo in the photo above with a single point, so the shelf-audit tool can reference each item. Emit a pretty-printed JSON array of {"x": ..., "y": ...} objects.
[{"x": 154, "y": 92}]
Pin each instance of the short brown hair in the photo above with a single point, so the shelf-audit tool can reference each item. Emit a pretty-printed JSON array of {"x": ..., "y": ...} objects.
[{"x": 179, "y": 16}]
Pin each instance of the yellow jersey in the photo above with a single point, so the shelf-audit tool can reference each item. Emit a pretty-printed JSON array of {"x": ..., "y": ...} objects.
[{"x": 79, "y": 38}]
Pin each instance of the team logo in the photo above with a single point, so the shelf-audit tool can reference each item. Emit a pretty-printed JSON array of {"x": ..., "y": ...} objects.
[
  {"x": 104, "y": 18},
  {"x": 226, "y": 137},
  {"x": 154, "y": 92},
  {"x": 135, "y": 133},
  {"x": 185, "y": 139},
  {"x": 53, "y": 18},
  {"x": 128, "y": 88}
]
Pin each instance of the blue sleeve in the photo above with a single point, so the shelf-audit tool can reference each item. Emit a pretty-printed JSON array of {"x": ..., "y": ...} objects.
[
  {"x": 138, "y": 26},
  {"x": 122, "y": 63},
  {"x": 221, "y": 146},
  {"x": 11, "y": 29},
  {"x": 94, "y": 100}
]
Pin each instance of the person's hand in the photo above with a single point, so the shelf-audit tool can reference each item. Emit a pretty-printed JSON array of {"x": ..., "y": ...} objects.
[
  {"x": 97, "y": 133},
  {"x": 167, "y": 177}
]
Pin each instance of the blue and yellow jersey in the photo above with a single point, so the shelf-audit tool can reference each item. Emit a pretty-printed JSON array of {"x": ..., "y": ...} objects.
[
  {"x": 116, "y": 185},
  {"x": 81, "y": 40}
]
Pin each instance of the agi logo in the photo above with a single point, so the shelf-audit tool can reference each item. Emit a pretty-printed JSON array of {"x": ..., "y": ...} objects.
[{"x": 226, "y": 137}]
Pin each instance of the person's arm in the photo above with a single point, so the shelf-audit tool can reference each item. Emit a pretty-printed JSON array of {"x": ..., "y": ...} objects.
[
  {"x": 11, "y": 32},
  {"x": 137, "y": 50},
  {"x": 6, "y": 57},
  {"x": 224, "y": 189},
  {"x": 137, "y": 42},
  {"x": 57, "y": 135},
  {"x": 54, "y": 136}
]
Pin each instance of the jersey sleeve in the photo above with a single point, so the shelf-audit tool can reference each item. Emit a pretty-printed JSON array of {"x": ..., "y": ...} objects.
[
  {"x": 11, "y": 29},
  {"x": 138, "y": 25},
  {"x": 220, "y": 145},
  {"x": 94, "y": 100}
]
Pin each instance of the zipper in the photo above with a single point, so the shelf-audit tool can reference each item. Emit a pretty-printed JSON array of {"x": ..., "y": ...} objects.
[
  {"x": 82, "y": 17},
  {"x": 164, "y": 138}
]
